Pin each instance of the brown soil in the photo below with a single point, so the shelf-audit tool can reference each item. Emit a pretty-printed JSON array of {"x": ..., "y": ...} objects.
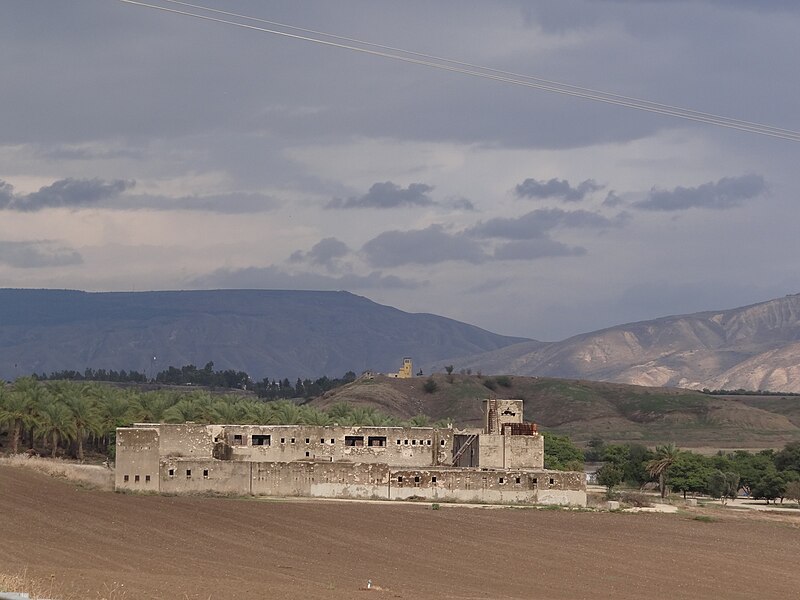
[{"x": 199, "y": 548}]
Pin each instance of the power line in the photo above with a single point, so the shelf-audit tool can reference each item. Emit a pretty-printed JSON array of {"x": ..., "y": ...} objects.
[{"x": 466, "y": 68}]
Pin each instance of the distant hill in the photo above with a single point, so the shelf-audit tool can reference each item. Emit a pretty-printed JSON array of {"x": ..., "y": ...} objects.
[
  {"x": 264, "y": 332},
  {"x": 755, "y": 348},
  {"x": 586, "y": 409}
]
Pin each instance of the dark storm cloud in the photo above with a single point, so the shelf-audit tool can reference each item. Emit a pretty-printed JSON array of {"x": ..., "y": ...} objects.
[
  {"x": 537, "y": 223},
  {"x": 728, "y": 192},
  {"x": 37, "y": 254},
  {"x": 273, "y": 277},
  {"x": 387, "y": 195},
  {"x": 323, "y": 253},
  {"x": 556, "y": 188},
  {"x": 423, "y": 247},
  {"x": 533, "y": 249},
  {"x": 64, "y": 193}
]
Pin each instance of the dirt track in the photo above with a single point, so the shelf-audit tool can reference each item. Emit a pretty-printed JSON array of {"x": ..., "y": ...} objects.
[{"x": 175, "y": 547}]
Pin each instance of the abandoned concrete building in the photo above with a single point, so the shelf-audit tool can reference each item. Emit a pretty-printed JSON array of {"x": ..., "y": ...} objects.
[{"x": 501, "y": 462}]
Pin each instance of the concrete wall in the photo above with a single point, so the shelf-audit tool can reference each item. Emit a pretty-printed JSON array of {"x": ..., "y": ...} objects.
[
  {"x": 524, "y": 452},
  {"x": 404, "y": 446},
  {"x": 321, "y": 479},
  {"x": 136, "y": 465},
  {"x": 369, "y": 481},
  {"x": 188, "y": 475},
  {"x": 511, "y": 451},
  {"x": 186, "y": 439},
  {"x": 499, "y": 411}
]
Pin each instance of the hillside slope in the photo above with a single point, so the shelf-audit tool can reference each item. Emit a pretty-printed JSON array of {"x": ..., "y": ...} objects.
[
  {"x": 756, "y": 347},
  {"x": 588, "y": 409},
  {"x": 264, "y": 332}
]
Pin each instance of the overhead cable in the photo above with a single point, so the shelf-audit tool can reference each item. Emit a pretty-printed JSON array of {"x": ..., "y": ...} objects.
[{"x": 470, "y": 69}]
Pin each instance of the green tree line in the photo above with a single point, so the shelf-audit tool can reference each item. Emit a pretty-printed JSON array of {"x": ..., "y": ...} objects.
[
  {"x": 766, "y": 475},
  {"x": 209, "y": 377},
  {"x": 68, "y": 418}
]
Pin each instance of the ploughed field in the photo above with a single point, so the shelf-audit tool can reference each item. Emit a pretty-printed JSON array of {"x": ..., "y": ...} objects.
[{"x": 90, "y": 542}]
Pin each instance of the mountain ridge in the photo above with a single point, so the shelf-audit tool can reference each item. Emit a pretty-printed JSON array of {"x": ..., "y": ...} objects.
[
  {"x": 277, "y": 333},
  {"x": 754, "y": 347}
]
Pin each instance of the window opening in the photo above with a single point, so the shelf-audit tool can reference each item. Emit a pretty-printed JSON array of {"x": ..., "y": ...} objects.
[
  {"x": 172, "y": 472},
  {"x": 308, "y": 453},
  {"x": 354, "y": 440},
  {"x": 399, "y": 478},
  {"x": 413, "y": 442},
  {"x": 308, "y": 440},
  {"x": 442, "y": 442},
  {"x": 261, "y": 440},
  {"x": 552, "y": 481},
  {"x": 136, "y": 479},
  {"x": 433, "y": 479},
  {"x": 147, "y": 478},
  {"x": 238, "y": 439},
  {"x": 188, "y": 473},
  {"x": 205, "y": 473},
  {"x": 416, "y": 479},
  {"x": 376, "y": 440},
  {"x": 502, "y": 480},
  {"x": 518, "y": 480},
  {"x": 126, "y": 478}
]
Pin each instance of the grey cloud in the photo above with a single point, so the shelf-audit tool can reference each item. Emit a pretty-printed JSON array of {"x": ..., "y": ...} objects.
[
  {"x": 80, "y": 193},
  {"x": 64, "y": 193},
  {"x": 324, "y": 253},
  {"x": 232, "y": 203},
  {"x": 556, "y": 188},
  {"x": 612, "y": 199},
  {"x": 387, "y": 195},
  {"x": 464, "y": 204},
  {"x": 77, "y": 152},
  {"x": 424, "y": 247},
  {"x": 533, "y": 249},
  {"x": 6, "y": 194},
  {"x": 537, "y": 223},
  {"x": 272, "y": 277},
  {"x": 728, "y": 192},
  {"x": 37, "y": 254}
]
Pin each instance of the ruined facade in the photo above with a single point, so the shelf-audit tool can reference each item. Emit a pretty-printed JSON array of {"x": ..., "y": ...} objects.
[{"x": 502, "y": 462}]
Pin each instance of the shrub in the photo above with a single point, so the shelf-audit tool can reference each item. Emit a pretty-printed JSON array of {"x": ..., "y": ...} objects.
[
  {"x": 504, "y": 380},
  {"x": 635, "y": 499},
  {"x": 434, "y": 506},
  {"x": 490, "y": 383},
  {"x": 430, "y": 385}
]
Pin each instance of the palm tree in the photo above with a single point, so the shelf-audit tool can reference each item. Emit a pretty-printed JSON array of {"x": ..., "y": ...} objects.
[
  {"x": 286, "y": 413},
  {"x": 314, "y": 416},
  {"x": 225, "y": 412},
  {"x": 186, "y": 409},
  {"x": 85, "y": 416},
  {"x": 419, "y": 421},
  {"x": 665, "y": 456},
  {"x": 55, "y": 422},
  {"x": 150, "y": 408},
  {"x": 16, "y": 411}
]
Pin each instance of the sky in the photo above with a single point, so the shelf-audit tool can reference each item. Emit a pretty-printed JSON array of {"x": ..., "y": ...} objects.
[{"x": 144, "y": 150}]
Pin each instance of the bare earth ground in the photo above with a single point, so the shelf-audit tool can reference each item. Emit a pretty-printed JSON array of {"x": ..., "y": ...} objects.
[{"x": 187, "y": 547}]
